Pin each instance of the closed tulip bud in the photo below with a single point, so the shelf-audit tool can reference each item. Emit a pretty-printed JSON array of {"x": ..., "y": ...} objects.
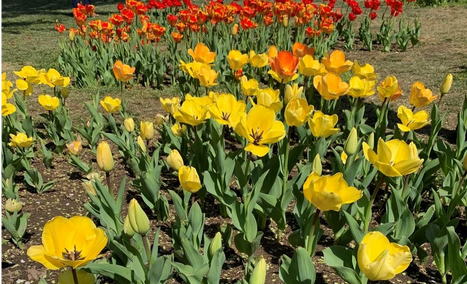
[
  {"x": 105, "y": 160},
  {"x": 147, "y": 130},
  {"x": 234, "y": 30},
  {"x": 127, "y": 229},
  {"x": 464, "y": 163},
  {"x": 129, "y": 124},
  {"x": 446, "y": 84},
  {"x": 12, "y": 206},
  {"x": 141, "y": 144},
  {"x": 189, "y": 179},
  {"x": 317, "y": 167},
  {"x": 285, "y": 21},
  {"x": 350, "y": 146},
  {"x": 259, "y": 273},
  {"x": 371, "y": 140},
  {"x": 159, "y": 120},
  {"x": 216, "y": 244},
  {"x": 88, "y": 183},
  {"x": 174, "y": 160},
  {"x": 139, "y": 221}
]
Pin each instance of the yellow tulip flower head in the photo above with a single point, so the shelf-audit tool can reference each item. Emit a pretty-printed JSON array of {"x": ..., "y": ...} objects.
[
  {"x": 258, "y": 60},
  {"x": 225, "y": 106},
  {"x": 24, "y": 86},
  {"x": 336, "y": 62},
  {"x": 70, "y": 242},
  {"x": 270, "y": 98},
  {"x": 147, "y": 130},
  {"x": 178, "y": 129},
  {"x": 310, "y": 67},
  {"x": 53, "y": 78},
  {"x": 237, "y": 59},
  {"x": 20, "y": 140},
  {"x": 447, "y": 83},
  {"x": 13, "y": 205},
  {"x": 389, "y": 89},
  {"x": 420, "y": 96},
  {"x": 30, "y": 74},
  {"x": 7, "y": 108},
  {"x": 249, "y": 87},
  {"x": 366, "y": 71},
  {"x": 111, "y": 105},
  {"x": 329, "y": 192},
  {"x": 105, "y": 160},
  {"x": 193, "y": 68},
  {"x": 394, "y": 158},
  {"x": 292, "y": 92},
  {"x": 139, "y": 221},
  {"x": 323, "y": 125},
  {"x": 411, "y": 121},
  {"x": 6, "y": 85},
  {"x": 48, "y": 103},
  {"x": 191, "y": 112},
  {"x": 207, "y": 76},
  {"x": 297, "y": 112},
  {"x": 330, "y": 86},
  {"x": 361, "y": 88},
  {"x": 75, "y": 147},
  {"x": 123, "y": 72},
  {"x": 381, "y": 260},
  {"x": 189, "y": 179},
  {"x": 129, "y": 124},
  {"x": 66, "y": 277},
  {"x": 260, "y": 127},
  {"x": 170, "y": 105},
  {"x": 202, "y": 54},
  {"x": 272, "y": 51},
  {"x": 175, "y": 160}
]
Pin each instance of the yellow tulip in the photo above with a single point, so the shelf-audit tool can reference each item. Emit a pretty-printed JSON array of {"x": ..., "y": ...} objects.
[
  {"x": 447, "y": 83},
  {"x": 361, "y": 88},
  {"x": 237, "y": 59},
  {"x": 20, "y": 140},
  {"x": 24, "y": 86},
  {"x": 175, "y": 160},
  {"x": 139, "y": 221},
  {"x": 111, "y": 105},
  {"x": 74, "y": 147},
  {"x": 411, "y": 121},
  {"x": 258, "y": 276},
  {"x": 29, "y": 74},
  {"x": 170, "y": 105},
  {"x": 329, "y": 192},
  {"x": 270, "y": 98},
  {"x": 330, "y": 86},
  {"x": 234, "y": 30},
  {"x": 224, "y": 107},
  {"x": 178, "y": 129},
  {"x": 123, "y": 72},
  {"x": 88, "y": 183},
  {"x": 105, "y": 159},
  {"x": 381, "y": 260},
  {"x": 141, "y": 143},
  {"x": 202, "y": 54},
  {"x": 260, "y": 127},
  {"x": 129, "y": 124},
  {"x": 366, "y": 71},
  {"x": 420, "y": 96},
  {"x": 292, "y": 92},
  {"x": 160, "y": 119},
  {"x": 297, "y": 112},
  {"x": 70, "y": 242},
  {"x": 189, "y": 179},
  {"x": 12, "y": 205},
  {"x": 249, "y": 87},
  {"x": 310, "y": 67},
  {"x": 6, "y": 85},
  {"x": 127, "y": 229},
  {"x": 48, "y": 103},
  {"x": 395, "y": 158},
  {"x": 317, "y": 166},
  {"x": 193, "y": 68},
  {"x": 147, "y": 130},
  {"x": 66, "y": 277},
  {"x": 272, "y": 51},
  {"x": 258, "y": 60},
  {"x": 351, "y": 144},
  {"x": 336, "y": 62},
  {"x": 7, "y": 108},
  {"x": 52, "y": 78},
  {"x": 389, "y": 89},
  {"x": 191, "y": 112},
  {"x": 207, "y": 77},
  {"x": 323, "y": 125}
]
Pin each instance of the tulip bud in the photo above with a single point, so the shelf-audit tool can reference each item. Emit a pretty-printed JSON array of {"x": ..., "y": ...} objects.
[
  {"x": 147, "y": 130},
  {"x": 464, "y": 163},
  {"x": 234, "y": 30},
  {"x": 317, "y": 167},
  {"x": 141, "y": 144},
  {"x": 216, "y": 244},
  {"x": 129, "y": 124},
  {"x": 350, "y": 146},
  {"x": 88, "y": 184},
  {"x": 139, "y": 221},
  {"x": 71, "y": 35},
  {"x": 285, "y": 21},
  {"x": 105, "y": 160},
  {"x": 12, "y": 205},
  {"x": 259, "y": 273},
  {"x": 446, "y": 84},
  {"x": 65, "y": 92},
  {"x": 371, "y": 140},
  {"x": 127, "y": 229},
  {"x": 160, "y": 119},
  {"x": 189, "y": 179},
  {"x": 174, "y": 160}
]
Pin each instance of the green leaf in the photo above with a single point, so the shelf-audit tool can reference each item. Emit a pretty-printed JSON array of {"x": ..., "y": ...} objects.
[
  {"x": 357, "y": 232},
  {"x": 344, "y": 263}
]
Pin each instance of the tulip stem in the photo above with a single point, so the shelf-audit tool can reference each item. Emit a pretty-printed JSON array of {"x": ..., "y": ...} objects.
[
  {"x": 312, "y": 236},
  {"x": 286, "y": 161},
  {"x": 75, "y": 276},
  {"x": 107, "y": 177},
  {"x": 406, "y": 185},
  {"x": 147, "y": 247},
  {"x": 372, "y": 200}
]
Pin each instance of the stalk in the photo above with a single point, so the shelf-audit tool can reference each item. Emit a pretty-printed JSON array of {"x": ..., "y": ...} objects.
[
  {"x": 372, "y": 200},
  {"x": 75, "y": 276},
  {"x": 311, "y": 235}
]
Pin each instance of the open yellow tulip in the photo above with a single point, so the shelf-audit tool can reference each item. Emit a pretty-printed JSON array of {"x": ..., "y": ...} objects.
[
  {"x": 191, "y": 112},
  {"x": 20, "y": 140},
  {"x": 48, "y": 103},
  {"x": 420, "y": 96},
  {"x": 237, "y": 59},
  {"x": 297, "y": 112},
  {"x": 111, "y": 105},
  {"x": 202, "y": 54},
  {"x": 323, "y": 125},
  {"x": 330, "y": 86},
  {"x": 411, "y": 121},
  {"x": 225, "y": 106}
]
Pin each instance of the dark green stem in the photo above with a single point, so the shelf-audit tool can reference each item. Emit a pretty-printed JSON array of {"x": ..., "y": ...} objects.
[
  {"x": 311, "y": 235},
  {"x": 372, "y": 200},
  {"x": 75, "y": 276}
]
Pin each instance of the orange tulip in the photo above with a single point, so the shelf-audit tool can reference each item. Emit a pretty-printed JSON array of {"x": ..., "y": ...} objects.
[
  {"x": 330, "y": 86},
  {"x": 122, "y": 71},
  {"x": 284, "y": 67},
  {"x": 421, "y": 96},
  {"x": 300, "y": 50},
  {"x": 202, "y": 54},
  {"x": 336, "y": 62}
]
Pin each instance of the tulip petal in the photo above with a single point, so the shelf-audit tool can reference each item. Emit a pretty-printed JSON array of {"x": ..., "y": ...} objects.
[
  {"x": 258, "y": 150},
  {"x": 408, "y": 166},
  {"x": 275, "y": 134},
  {"x": 37, "y": 253}
]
